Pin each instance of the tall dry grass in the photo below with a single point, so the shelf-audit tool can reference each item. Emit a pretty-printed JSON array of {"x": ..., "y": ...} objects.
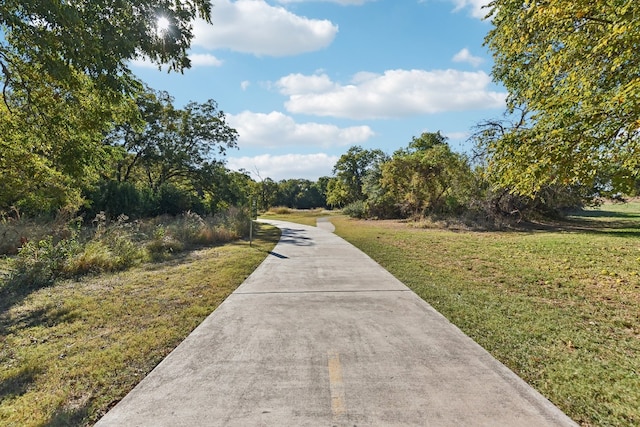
[{"x": 46, "y": 251}]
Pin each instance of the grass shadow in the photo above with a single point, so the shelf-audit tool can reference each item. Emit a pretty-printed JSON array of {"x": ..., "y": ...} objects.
[
  {"x": 48, "y": 316},
  {"x": 598, "y": 222},
  {"x": 13, "y": 292},
  {"x": 617, "y": 229},
  {"x": 70, "y": 417},
  {"x": 598, "y": 213},
  {"x": 604, "y": 222},
  {"x": 18, "y": 384}
]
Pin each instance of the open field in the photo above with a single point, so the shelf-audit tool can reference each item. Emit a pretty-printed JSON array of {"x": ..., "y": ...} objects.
[
  {"x": 559, "y": 304},
  {"x": 69, "y": 351},
  {"x": 307, "y": 217}
]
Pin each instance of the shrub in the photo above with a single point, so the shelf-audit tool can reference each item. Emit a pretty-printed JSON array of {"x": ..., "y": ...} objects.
[
  {"x": 162, "y": 245},
  {"x": 128, "y": 253},
  {"x": 95, "y": 257},
  {"x": 280, "y": 210},
  {"x": 235, "y": 220},
  {"x": 120, "y": 244},
  {"x": 357, "y": 209},
  {"x": 189, "y": 228},
  {"x": 16, "y": 230},
  {"x": 173, "y": 200},
  {"x": 116, "y": 198},
  {"x": 40, "y": 263}
]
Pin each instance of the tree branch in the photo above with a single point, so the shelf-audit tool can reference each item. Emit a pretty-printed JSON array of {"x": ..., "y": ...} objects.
[{"x": 7, "y": 78}]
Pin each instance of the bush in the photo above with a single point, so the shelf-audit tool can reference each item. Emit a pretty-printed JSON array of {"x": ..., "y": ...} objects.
[
  {"x": 95, "y": 257},
  {"x": 16, "y": 230},
  {"x": 40, "y": 263},
  {"x": 115, "y": 198},
  {"x": 113, "y": 246},
  {"x": 163, "y": 245},
  {"x": 356, "y": 209},
  {"x": 173, "y": 200},
  {"x": 173, "y": 235},
  {"x": 235, "y": 220},
  {"x": 189, "y": 228},
  {"x": 280, "y": 210}
]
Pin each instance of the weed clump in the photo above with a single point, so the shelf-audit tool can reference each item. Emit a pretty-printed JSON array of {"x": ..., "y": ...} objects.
[{"x": 40, "y": 263}]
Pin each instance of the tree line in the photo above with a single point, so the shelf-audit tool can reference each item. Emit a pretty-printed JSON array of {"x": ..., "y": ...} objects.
[
  {"x": 428, "y": 179},
  {"x": 80, "y": 133}
]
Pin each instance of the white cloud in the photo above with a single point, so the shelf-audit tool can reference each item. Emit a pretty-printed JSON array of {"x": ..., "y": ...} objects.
[
  {"x": 279, "y": 130},
  {"x": 204, "y": 60},
  {"x": 465, "y": 56},
  {"x": 457, "y": 135},
  {"x": 253, "y": 26},
  {"x": 396, "y": 93},
  {"x": 245, "y": 84},
  {"x": 143, "y": 63},
  {"x": 296, "y": 83},
  {"x": 476, "y": 6},
  {"x": 287, "y": 166}
]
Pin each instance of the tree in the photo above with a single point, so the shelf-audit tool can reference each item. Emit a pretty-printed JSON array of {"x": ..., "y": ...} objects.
[
  {"x": 266, "y": 193},
  {"x": 549, "y": 198},
  {"x": 572, "y": 68},
  {"x": 223, "y": 188},
  {"x": 94, "y": 37},
  {"x": 427, "y": 177},
  {"x": 300, "y": 194},
  {"x": 172, "y": 144},
  {"x": 49, "y": 154},
  {"x": 350, "y": 170},
  {"x": 337, "y": 193},
  {"x": 381, "y": 201},
  {"x": 63, "y": 74}
]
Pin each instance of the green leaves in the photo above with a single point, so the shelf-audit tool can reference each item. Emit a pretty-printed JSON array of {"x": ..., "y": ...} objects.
[
  {"x": 52, "y": 148},
  {"x": 170, "y": 144},
  {"x": 573, "y": 66},
  {"x": 65, "y": 83},
  {"x": 427, "y": 178},
  {"x": 350, "y": 170},
  {"x": 97, "y": 37}
]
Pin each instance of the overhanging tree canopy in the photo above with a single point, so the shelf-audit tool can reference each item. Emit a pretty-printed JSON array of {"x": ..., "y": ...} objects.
[
  {"x": 573, "y": 68},
  {"x": 96, "y": 37},
  {"x": 63, "y": 73}
]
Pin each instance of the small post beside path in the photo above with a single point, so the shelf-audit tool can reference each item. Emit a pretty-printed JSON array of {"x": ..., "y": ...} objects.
[{"x": 253, "y": 214}]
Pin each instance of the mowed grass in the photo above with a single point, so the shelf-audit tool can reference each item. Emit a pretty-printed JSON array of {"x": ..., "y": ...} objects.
[
  {"x": 300, "y": 216},
  {"x": 559, "y": 304},
  {"x": 560, "y": 308},
  {"x": 70, "y": 351}
]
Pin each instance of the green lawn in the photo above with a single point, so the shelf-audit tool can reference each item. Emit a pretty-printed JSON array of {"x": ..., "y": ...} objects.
[
  {"x": 70, "y": 351},
  {"x": 559, "y": 303},
  {"x": 307, "y": 217}
]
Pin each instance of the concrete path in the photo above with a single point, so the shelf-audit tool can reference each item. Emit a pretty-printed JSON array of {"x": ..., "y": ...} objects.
[{"x": 321, "y": 335}]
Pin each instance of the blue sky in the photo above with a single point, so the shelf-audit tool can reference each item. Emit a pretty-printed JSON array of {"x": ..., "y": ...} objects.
[{"x": 303, "y": 80}]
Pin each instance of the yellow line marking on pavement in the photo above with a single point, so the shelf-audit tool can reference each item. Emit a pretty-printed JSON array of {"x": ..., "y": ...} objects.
[{"x": 336, "y": 385}]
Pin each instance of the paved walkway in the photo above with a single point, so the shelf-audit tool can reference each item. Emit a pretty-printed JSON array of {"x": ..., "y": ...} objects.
[{"x": 321, "y": 335}]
